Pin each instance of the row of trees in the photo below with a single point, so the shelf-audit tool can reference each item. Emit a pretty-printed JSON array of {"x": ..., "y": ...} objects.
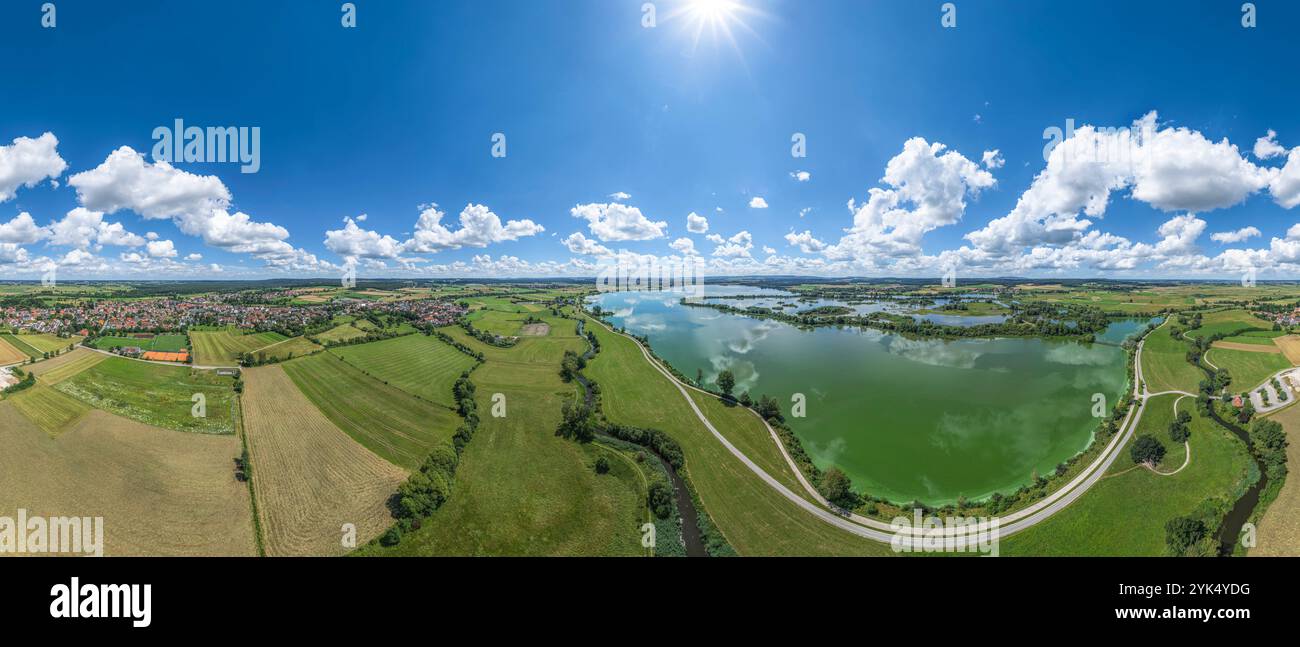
[{"x": 426, "y": 489}]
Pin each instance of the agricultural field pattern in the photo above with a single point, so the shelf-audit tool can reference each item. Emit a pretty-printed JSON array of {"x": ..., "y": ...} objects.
[{"x": 552, "y": 419}]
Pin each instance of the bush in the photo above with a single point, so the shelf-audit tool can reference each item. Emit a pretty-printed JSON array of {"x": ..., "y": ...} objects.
[
  {"x": 660, "y": 499},
  {"x": 602, "y": 465},
  {"x": 391, "y": 537},
  {"x": 1182, "y": 533}
]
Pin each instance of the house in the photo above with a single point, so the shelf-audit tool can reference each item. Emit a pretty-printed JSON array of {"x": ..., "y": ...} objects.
[{"x": 1236, "y": 401}]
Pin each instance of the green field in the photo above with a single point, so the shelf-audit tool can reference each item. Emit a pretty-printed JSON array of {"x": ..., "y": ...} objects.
[
  {"x": 1248, "y": 369},
  {"x": 754, "y": 518},
  {"x": 396, "y": 426},
  {"x": 341, "y": 332},
  {"x": 1126, "y": 511},
  {"x": 1164, "y": 363},
  {"x": 223, "y": 347},
  {"x": 48, "y": 409},
  {"x": 17, "y": 342},
  {"x": 418, "y": 364},
  {"x": 161, "y": 343},
  {"x": 45, "y": 343},
  {"x": 1257, "y": 338},
  {"x": 287, "y": 349},
  {"x": 520, "y": 490},
  {"x": 156, "y": 395},
  {"x": 1228, "y": 322}
]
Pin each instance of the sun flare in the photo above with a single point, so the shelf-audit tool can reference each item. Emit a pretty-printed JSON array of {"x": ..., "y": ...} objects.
[{"x": 719, "y": 18}]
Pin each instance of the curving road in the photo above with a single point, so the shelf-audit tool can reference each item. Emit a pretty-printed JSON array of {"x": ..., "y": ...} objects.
[{"x": 880, "y": 531}]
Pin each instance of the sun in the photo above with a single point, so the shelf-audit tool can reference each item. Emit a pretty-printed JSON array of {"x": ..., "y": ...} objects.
[
  {"x": 719, "y": 18},
  {"x": 713, "y": 11}
]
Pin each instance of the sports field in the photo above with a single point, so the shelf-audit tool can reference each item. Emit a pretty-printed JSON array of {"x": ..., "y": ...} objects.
[
  {"x": 160, "y": 343},
  {"x": 396, "y": 426},
  {"x": 157, "y": 395},
  {"x": 310, "y": 478},
  {"x": 223, "y": 347},
  {"x": 418, "y": 364},
  {"x": 160, "y": 493}
]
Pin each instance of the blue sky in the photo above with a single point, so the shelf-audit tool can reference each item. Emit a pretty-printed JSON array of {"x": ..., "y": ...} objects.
[{"x": 397, "y": 114}]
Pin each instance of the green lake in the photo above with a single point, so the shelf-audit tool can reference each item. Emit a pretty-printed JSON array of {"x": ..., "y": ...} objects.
[{"x": 906, "y": 419}]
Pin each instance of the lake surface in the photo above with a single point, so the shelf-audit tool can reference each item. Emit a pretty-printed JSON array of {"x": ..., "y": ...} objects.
[{"x": 906, "y": 419}]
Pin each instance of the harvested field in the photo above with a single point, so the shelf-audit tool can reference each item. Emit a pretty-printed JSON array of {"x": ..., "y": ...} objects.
[
  {"x": 1279, "y": 530},
  {"x": 23, "y": 349},
  {"x": 160, "y": 492},
  {"x": 53, "y": 371},
  {"x": 1249, "y": 348},
  {"x": 310, "y": 477},
  {"x": 535, "y": 330},
  {"x": 1290, "y": 345},
  {"x": 48, "y": 409},
  {"x": 9, "y": 354}
]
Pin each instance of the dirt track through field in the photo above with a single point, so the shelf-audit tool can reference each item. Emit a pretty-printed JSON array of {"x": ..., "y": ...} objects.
[{"x": 310, "y": 478}]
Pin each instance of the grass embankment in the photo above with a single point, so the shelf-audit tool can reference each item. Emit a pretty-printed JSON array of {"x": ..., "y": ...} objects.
[
  {"x": 1124, "y": 514},
  {"x": 418, "y": 364},
  {"x": 393, "y": 424},
  {"x": 754, "y": 518},
  {"x": 520, "y": 489}
]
